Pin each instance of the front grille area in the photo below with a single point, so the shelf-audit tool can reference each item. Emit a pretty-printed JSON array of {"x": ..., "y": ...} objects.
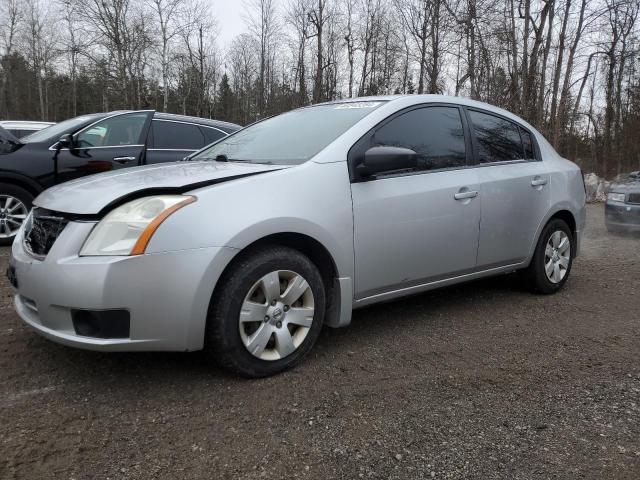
[
  {"x": 633, "y": 198},
  {"x": 42, "y": 230}
]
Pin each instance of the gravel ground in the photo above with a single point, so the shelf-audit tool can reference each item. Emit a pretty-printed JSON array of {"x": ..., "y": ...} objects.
[{"x": 477, "y": 381}]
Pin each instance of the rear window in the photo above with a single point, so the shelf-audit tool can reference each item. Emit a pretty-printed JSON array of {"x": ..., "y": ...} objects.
[
  {"x": 176, "y": 136},
  {"x": 527, "y": 143},
  {"x": 211, "y": 134},
  {"x": 498, "y": 140}
]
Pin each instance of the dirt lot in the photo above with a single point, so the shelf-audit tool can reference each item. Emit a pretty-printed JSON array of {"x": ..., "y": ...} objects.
[{"x": 477, "y": 381}]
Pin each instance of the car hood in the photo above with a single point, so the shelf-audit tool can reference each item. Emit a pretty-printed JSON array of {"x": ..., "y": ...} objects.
[{"x": 98, "y": 193}]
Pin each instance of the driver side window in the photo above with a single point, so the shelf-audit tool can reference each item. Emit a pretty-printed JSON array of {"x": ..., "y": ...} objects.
[
  {"x": 114, "y": 131},
  {"x": 435, "y": 133}
]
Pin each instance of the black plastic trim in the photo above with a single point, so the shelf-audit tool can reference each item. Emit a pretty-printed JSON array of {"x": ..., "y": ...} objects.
[{"x": 105, "y": 324}]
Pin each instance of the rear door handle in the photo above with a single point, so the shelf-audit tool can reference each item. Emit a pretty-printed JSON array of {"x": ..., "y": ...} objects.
[
  {"x": 465, "y": 195},
  {"x": 538, "y": 182},
  {"x": 123, "y": 160}
]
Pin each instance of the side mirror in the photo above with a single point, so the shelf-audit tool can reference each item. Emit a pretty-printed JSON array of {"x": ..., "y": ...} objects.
[
  {"x": 386, "y": 159},
  {"x": 66, "y": 141}
]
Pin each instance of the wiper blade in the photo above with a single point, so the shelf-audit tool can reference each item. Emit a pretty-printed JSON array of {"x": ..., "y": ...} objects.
[{"x": 223, "y": 157}]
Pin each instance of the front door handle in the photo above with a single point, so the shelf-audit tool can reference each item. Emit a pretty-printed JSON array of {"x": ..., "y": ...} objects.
[
  {"x": 538, "y": 182},
  {"x": 465, "y": 195},
  {"x": 123, "y": 160}
]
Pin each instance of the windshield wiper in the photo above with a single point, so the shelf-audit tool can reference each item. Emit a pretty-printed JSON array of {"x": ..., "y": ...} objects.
[{"x": 222, "y": 157}]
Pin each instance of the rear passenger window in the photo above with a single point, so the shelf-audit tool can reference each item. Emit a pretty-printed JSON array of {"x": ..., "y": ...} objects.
[
  {"x": 434, "y": 133},
  {"x": 527, "y": 143},
  {"x": 498, "y": 139},
  {"x": 176, "y": 136},
  {"x": 211, "y": 134}
]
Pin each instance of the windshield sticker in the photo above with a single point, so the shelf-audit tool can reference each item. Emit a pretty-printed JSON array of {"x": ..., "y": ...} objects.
[{"x": 346, "y": 106}]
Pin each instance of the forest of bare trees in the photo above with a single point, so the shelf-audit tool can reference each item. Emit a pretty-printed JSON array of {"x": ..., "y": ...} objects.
[{"x": 569, "y": 67}]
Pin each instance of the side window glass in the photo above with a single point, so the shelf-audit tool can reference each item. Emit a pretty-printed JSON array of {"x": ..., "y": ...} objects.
[
  {"x": 114, "y": 131},
  {"x": 498, "y": 139},
  {"x": 176, "y": 136},
  {"x": 436, "y": 134},
  {"x": 211, "y": 135},
  {"x": 527, "y": 143}
]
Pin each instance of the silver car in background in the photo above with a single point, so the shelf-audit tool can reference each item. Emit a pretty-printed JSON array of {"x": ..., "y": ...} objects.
[
  {"x": 253, "y": 245},
  {"x": 622, "y": 208}
]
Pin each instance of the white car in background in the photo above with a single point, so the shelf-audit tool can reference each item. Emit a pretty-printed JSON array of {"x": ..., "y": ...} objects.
[{"x": 20, "y": 128}]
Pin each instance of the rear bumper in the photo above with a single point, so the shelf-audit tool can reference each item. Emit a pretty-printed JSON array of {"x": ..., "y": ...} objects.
[
  {"x": 166, "y": 294},
  {"x": 622, "y": 215}
]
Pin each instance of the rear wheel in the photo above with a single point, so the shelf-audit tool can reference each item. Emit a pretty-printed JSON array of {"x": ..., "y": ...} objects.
[
  {"x": 552, "y": 260},
  {"x": 267, "y": 313},
  {"x": 15, "y": 203}
]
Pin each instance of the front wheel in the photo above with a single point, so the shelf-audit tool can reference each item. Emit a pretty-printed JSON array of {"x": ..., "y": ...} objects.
[
  {"x": 552, "y": 260},
  {"x": 15, "y": 203},
  {"x": 267, "y": 313}
]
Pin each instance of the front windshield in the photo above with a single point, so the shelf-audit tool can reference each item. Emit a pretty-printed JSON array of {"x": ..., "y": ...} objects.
[
  {"x": 55, "y": 131},
  {"x": 291, "y": 138}
]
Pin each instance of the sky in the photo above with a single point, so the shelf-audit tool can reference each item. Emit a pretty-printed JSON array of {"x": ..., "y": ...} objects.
[{"x": 229, "y": 16}]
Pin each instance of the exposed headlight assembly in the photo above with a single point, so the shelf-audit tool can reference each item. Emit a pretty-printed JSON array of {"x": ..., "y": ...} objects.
[
  {"x": 128, "y": 229},
  {"x": 615, "y": 197}
]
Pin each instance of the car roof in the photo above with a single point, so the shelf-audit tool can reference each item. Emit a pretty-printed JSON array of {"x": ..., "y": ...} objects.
[
  {"x": 227, "y": 126},
  {"x": 198, "y": 120},
  {"x": 425, "y": 98}
]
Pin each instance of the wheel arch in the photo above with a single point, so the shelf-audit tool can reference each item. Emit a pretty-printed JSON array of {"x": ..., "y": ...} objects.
[
  {"x": 26, "y": 183},
  {"x": 562, "y": 212},
  {"x": 337, "y": 291},
  {"x": 568, "y": 218}
]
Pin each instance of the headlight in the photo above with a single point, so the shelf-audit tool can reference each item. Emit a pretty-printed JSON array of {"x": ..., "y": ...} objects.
[
  {"x": 128, "y": 229},
  {"x": 615, "y": 197}
]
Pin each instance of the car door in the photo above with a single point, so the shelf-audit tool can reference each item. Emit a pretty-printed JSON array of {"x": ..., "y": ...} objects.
[
  {"x": 117, "y": 141},
  {"x": 417, "y": 226},
  {"x": 515, "y": 192},
  {"x": 172, "y": 140}
]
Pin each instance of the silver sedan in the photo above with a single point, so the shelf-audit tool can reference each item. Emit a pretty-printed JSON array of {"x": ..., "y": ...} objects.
[{"x": 252, "y": 245}]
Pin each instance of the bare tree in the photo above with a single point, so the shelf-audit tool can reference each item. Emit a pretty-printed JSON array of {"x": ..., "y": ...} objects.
[
  {"x": 261, "y": 18},
  {"x": 10, "y": 18},
  {"x": 298, "y": 18},
  {"x": 40, "y": 40},
  {"x": 166, "y": 12}
]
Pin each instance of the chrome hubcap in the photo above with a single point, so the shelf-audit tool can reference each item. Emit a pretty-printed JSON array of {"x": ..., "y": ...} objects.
[
  {"x": 557, "y": 256},
  {"x": 12, "y": 213},
  {"x": 276, "y": 315}
]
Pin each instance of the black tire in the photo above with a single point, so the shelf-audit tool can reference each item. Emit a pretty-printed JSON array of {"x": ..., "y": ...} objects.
[
  {"x": 21, "y": 194},
  {"x": 223, "y": 341},
  {"x": 534, "y": 275}
]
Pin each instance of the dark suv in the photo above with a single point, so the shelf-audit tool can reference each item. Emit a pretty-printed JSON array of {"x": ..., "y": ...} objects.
[
  {"x": 91, "y": 144},
  {"x": 622, "y": 210}
]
